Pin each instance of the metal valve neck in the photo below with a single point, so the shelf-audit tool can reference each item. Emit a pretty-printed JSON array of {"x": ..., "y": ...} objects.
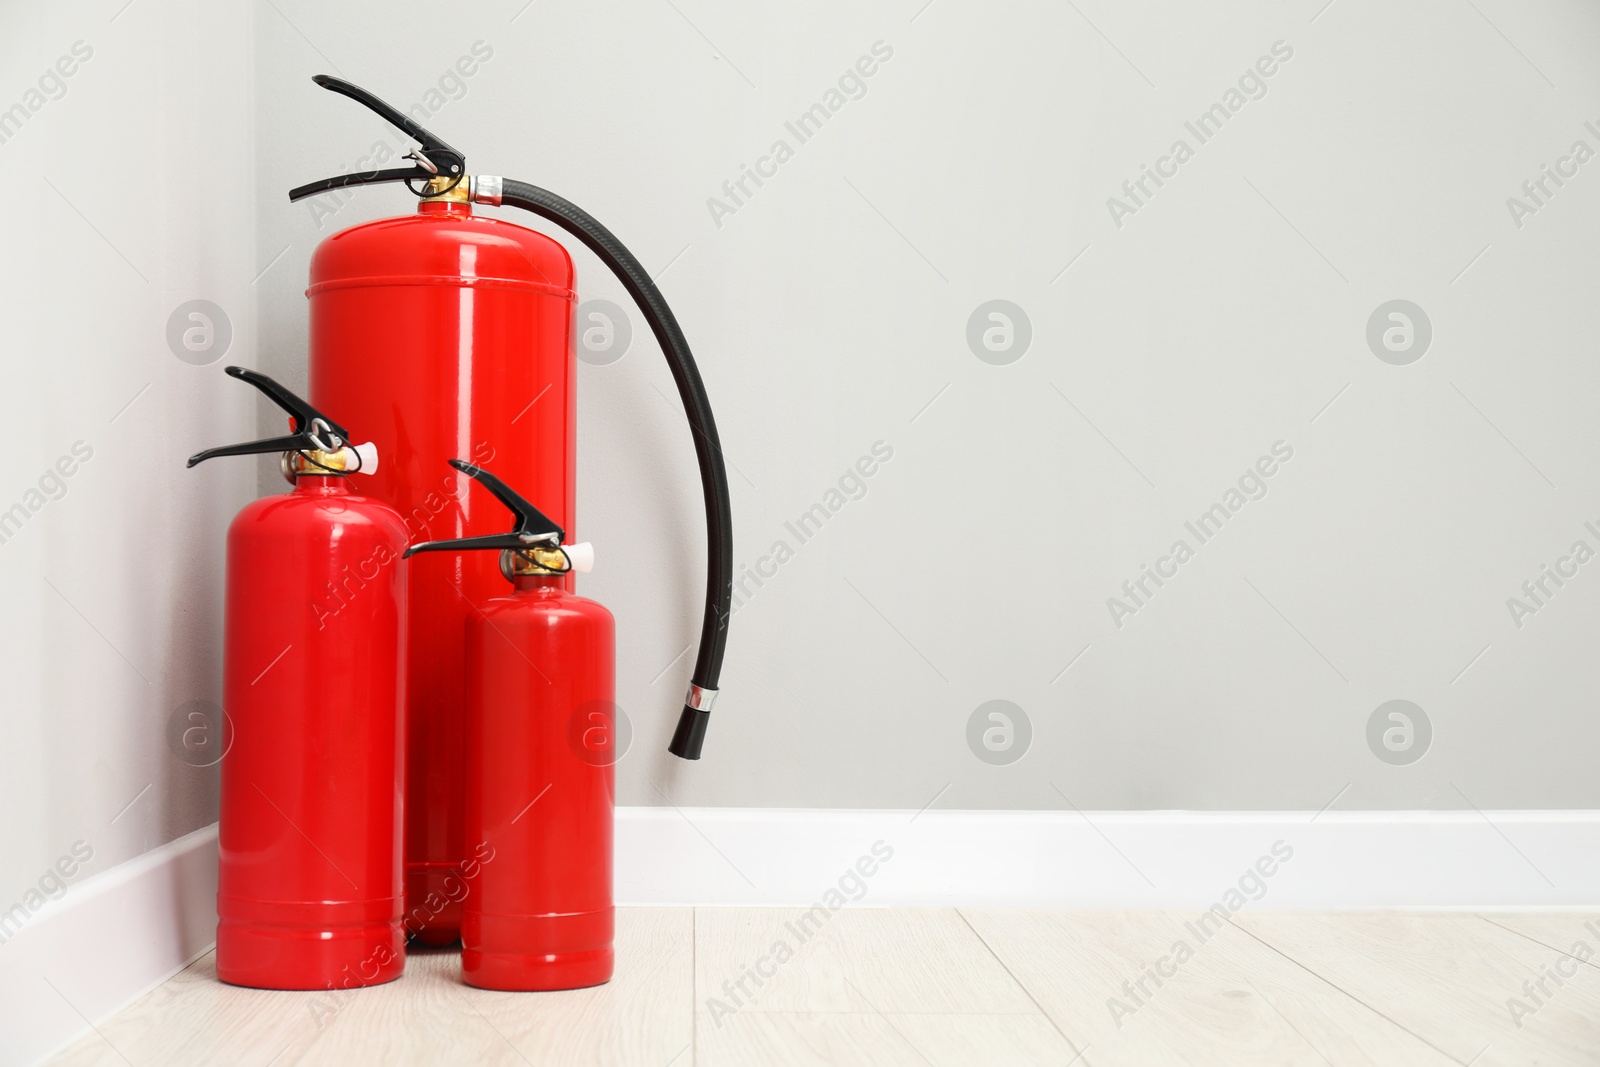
[
  {"x": 313, "y": 462},
  {"x": 454, "y": 195},
  {"x": 539, "y": 560},
  {"x": 447, "y": 191}
]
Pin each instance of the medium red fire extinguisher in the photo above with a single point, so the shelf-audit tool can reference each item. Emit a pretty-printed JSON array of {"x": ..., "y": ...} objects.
[
  {"x": 540, "y": 682},
  {"x": 450, "y": 334},
  {"x": 308, "y": 887}
]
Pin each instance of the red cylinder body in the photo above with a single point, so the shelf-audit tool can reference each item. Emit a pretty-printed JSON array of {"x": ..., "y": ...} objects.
[
  {"x": 445, "y": 335},
  {"x": 308, "y": 888},
  {"x": 541, "y": 745}
]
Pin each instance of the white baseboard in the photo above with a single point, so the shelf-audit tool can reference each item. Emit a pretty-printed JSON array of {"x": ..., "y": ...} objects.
[
  {"x": 121, "y": 933},
  {"x": 1171, "y": 859},
  {"x": 109, "y": 940}
]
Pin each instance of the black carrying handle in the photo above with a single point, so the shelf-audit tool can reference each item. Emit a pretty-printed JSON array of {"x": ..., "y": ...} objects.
[
  {"x": 306, "y": 419},
  {"x": 437, "y": 159},
  {"x": 529, "y": 525}
]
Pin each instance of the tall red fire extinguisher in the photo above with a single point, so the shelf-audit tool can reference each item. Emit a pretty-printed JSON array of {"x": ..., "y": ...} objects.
[
  {"x": 308, "y": 887},
  {"x": 450, "y": 334},
  {"x": 540, "y": 682}
]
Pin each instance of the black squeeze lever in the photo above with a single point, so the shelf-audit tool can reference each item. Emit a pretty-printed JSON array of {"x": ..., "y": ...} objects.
[
  {"x": 312, "y": 429},
  {"x": 434, "y": 160},
  {"x": 529, "y": 527}
]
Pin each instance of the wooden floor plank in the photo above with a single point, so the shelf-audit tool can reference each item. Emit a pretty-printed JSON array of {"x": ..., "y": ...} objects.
[
  {"x": 891, "y": 986},
  {"x": 870, "y": 1038},
  {"x": 424, "y": 1017},
  {"x": 193, "y": 1018},
  {"x": 1452, "y": 979},
  {"x": 802, "y": 1039},
  {"x": 1570, "y": 932},
  {"x": 1002, "y": 1040},
  {"x": 1155, "y": 988},
  {"x": 897, "y": 959}
]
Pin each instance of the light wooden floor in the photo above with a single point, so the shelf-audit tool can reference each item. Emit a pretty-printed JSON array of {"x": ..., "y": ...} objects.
[{"x": 902, "y": 986}]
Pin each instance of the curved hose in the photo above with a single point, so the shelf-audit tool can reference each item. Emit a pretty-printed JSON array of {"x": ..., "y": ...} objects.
[{"x": 690, "y": 734}]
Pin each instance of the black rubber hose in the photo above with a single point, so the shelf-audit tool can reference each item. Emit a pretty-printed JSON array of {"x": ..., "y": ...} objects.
[{"x": 691, "y": 732}]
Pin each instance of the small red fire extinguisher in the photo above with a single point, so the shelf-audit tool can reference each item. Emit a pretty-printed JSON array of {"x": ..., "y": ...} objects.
[
  {"x": 308, "y": 888},
  {"x": 540, "y": 681}
]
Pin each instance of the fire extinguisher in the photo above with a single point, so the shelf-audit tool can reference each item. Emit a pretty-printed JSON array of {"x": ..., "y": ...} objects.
[
  {"x": 450, "y": 334},
  {"x": 540, "y": 682},
  {"x": 308, "y": 887}
]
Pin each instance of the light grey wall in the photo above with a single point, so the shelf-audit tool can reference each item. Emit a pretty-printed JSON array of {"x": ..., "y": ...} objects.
[
  {"x": 128, "y": 180},
  {"x": 1172, "y": 347},
  {"x": 831, "y": 312}
]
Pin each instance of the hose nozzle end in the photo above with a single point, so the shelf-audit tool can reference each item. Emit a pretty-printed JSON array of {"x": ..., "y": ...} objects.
[{"x": 690, "y": 735}]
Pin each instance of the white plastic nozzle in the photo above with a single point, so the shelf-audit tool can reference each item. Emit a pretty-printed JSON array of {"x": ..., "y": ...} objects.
[
  {"x": 581, "y": 556},
  {"x": 368, "y": 455}
]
